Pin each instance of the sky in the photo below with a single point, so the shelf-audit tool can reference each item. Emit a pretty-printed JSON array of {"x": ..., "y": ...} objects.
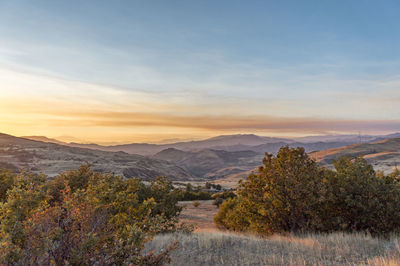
[{"x": 152, "y": 71}]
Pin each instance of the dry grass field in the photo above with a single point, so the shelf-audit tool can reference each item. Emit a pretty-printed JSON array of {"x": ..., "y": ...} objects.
[
  {"x": 200, "y": 217},
  {"x": 209, "y": 246},
  {"x": 219, "y": 248}
]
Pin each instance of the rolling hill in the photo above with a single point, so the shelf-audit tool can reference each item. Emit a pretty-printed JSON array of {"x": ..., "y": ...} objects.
[
  {"x": 212, "y": 164},
  {"x": 51, "y": 159},
  {"x": 225, "y": 142},
  {"x": 210, "y": 159},
  {"x": 239, "y": 142},
  {"x": 384, "y": 155}
]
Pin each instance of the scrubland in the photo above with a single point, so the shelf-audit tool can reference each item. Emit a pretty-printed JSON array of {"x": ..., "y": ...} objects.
[{"x": 223, "y": 248}]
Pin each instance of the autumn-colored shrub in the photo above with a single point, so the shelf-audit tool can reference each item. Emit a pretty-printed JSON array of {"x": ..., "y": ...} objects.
[{"x": 82, "y": 217}]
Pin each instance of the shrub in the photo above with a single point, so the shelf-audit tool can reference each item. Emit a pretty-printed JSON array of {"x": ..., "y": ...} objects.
[
  {"x": 224, "y": 195},
  {"x": 82, "y": 217},
  {"x": 230, "y": 216},
  {"x": 191, "y": 195},
  {"x": 291, "y": 193},
  {"x": 359, "y": 200},
  {"x": 218, "y": 201}
]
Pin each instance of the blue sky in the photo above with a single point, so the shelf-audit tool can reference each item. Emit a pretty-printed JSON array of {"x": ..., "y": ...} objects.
[{"x": 266, "y": 60}]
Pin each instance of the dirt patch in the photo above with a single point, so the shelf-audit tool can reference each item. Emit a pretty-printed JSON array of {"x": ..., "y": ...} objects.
[{"x": 201, "y": 216}]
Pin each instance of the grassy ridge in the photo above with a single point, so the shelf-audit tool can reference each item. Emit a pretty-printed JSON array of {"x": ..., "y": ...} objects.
[{"x": 218, "y": 248}]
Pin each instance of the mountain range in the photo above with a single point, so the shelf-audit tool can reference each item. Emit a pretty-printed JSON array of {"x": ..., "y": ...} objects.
[
  {"x": 239, "y": 142},
  {"x": 210, "y": 159}
]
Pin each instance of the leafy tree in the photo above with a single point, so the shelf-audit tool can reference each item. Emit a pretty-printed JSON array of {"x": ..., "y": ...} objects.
[
  {"x": 284, "y": 194},
  {"x": 360, "y": 200},
  {"x": 291, "y": 193}
]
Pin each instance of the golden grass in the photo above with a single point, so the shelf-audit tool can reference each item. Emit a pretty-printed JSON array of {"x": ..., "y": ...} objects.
[
  {"x": 201, "y": 217},
  {"x": 221, "y": 248}
]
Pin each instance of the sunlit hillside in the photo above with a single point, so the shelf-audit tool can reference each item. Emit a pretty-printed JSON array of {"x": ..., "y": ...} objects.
[{"x": 383, "y": 155}]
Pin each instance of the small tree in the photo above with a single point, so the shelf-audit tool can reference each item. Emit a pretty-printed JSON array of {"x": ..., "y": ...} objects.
[{"x": 284, "y": 194}]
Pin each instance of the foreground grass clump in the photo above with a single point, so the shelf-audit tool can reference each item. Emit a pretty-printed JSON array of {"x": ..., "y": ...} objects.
[{"x": 217, "y": 248}]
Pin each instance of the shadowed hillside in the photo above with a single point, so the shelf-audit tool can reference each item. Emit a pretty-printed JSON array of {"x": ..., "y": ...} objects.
[
  {"x": 212, "y": 164},
  {"x": 50, "y": 159},
  {"x": 240, "y": 142}
]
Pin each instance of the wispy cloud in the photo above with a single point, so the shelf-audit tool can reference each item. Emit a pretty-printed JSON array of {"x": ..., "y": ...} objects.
[{"x": 35, "y": 103}]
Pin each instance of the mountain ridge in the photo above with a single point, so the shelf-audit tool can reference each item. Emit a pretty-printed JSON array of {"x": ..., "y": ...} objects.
[{"x": 237, "y": 142}]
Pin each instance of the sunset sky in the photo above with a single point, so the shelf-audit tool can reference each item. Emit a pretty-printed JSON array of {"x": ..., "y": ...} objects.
[{"x": 146, "y": 71}]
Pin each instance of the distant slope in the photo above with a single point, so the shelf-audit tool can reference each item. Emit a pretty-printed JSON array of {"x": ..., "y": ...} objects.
[
  {"x": 239, "y": 142},
  {"x": 349, "y": 138},
  {"x": 383, "y": 155},
  {"x": 316, "y": 146},
  {"x": 231, "y": 143},
  {"x": 212, "y": 164},
  {"x": 219, "y": 143},
  {"x": 51, "y": 159}
]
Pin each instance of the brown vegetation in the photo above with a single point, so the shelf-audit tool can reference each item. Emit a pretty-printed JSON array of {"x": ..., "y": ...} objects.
[
  {"x": 217, "y": 248},
  {"x": 83, "y": 218}
]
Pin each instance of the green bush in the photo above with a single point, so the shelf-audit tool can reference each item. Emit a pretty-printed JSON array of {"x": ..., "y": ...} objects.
[
  {"x": 224, "y": 195},
  {"x": 218, "y": 201},
  {"x": 291, "y": 193},
  {"x": 193, "y": 195}
]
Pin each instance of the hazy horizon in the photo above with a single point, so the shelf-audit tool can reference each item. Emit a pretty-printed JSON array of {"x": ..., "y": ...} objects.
[
  {"x": 149, "y": 71},
  {"x": 71, "y": 139}
]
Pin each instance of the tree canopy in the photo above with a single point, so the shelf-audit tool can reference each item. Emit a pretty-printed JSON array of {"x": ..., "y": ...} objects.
[{"x": 291, "y": 193}]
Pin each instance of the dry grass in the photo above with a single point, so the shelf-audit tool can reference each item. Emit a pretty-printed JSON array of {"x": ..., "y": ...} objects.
[
  {"x": 201, "y": 217},
  {"x": 218, "y": 248}
]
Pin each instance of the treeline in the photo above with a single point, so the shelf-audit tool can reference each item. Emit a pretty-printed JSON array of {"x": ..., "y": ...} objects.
[
  {"x": 207, "y": 192},
  {"x": 291, "y": 193},
  {"x": 83, "y": 218}
]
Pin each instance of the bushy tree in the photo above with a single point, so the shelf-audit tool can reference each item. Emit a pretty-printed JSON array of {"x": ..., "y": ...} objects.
[
  {"x": 291, "y": 193},
  {"x": 358, "y": 199},
  {"x": 284, "y": 195}
]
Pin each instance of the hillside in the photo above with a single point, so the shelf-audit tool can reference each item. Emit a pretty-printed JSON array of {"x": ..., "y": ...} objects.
[
  {"x": 51, "y": 159},
  {"x": 228, "y": 156},
  {"x": 225, "y": 142},
  {"x": 238, "y": 142},
  {"x": 383, "y": 155},
  {"x": 212, "y": 164}
]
